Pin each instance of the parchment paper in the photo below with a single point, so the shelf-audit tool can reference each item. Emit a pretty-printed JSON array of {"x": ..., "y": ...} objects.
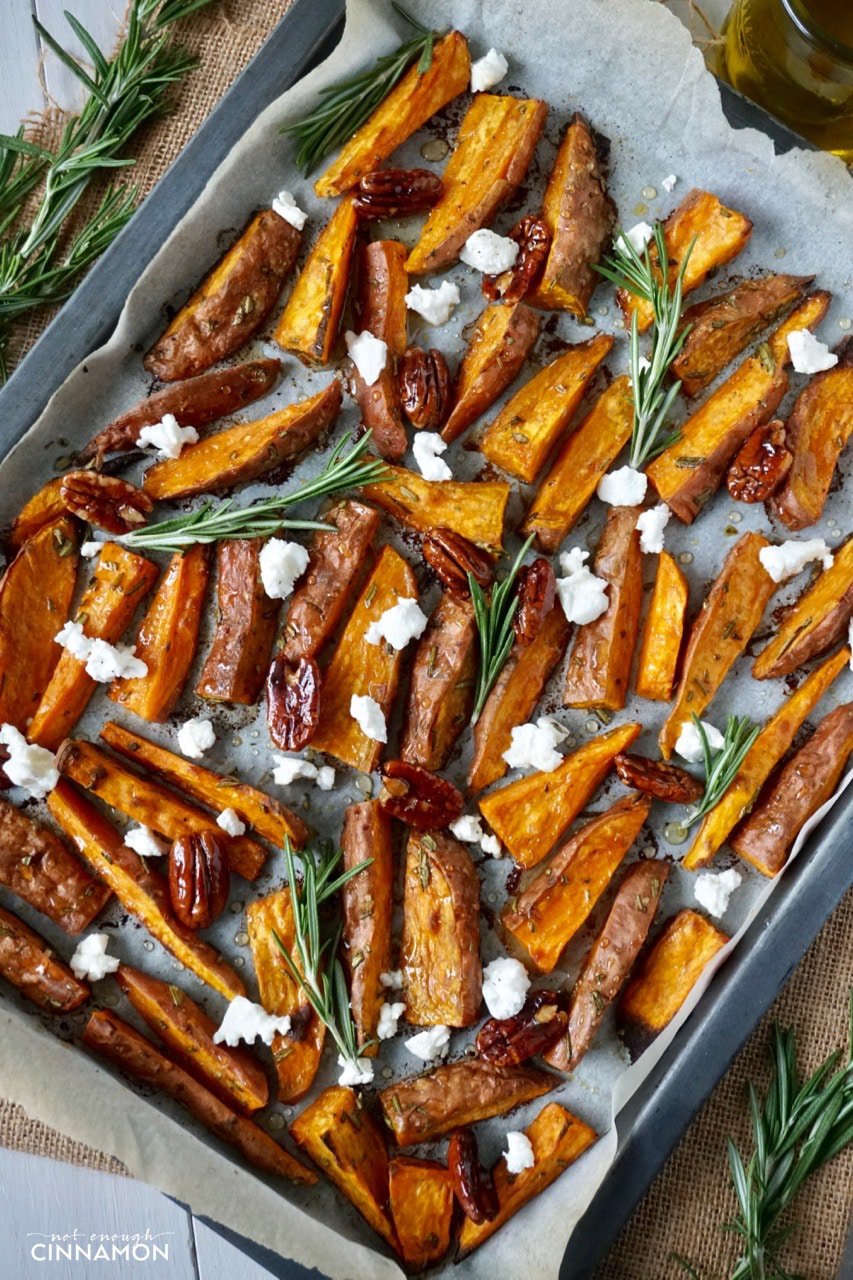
[{"x": 629, "y": 65}]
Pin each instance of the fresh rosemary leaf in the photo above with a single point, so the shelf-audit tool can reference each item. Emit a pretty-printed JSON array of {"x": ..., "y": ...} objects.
[
  {"x": 721, "y": 766},
  {"x": 494, "y": 628}
]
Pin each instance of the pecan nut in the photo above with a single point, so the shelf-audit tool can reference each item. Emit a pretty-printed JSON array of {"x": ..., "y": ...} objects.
[
  {"x": 293, "y": 701},
  {"x": 418, "y": 797},
  {"x": 761, "y": 465},
  {"x": 198, "y": 878},
  {"x": 423, "y": 380},
  {"x": 452, "y": 558},
  {"x": 395, "y": 193},
  {"x": 105, "y": 501},
  {"x": 534, "y": 240},
  {"x": 472, "y": 1183},
  {"x": 535, "y": 590},
  {"x": 654, "y": 778},
  {"x": 540, "y": 1023}
]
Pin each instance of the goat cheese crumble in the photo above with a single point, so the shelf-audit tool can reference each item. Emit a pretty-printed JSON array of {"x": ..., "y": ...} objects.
[
  {"x": 90, "y": 549},
  {"x": 392, "y": 980},
  {"x": 144, "y": 842},
  {"x": 389, "y": 1016},
  {"x": 281, "y": 563},
  {"x": 505, "y": 986},
  {"x": 28, "y": 766},
  {"x": 90, "y": 961},
  {"x": 688, "y": 744},
  {"x": 436, "y": 306},
  {"x": 368, "y": 354},
  {"x": 369, "y": 717},
  {"x": 231, "y": 822},
  {"x": 808, "y": 353},
  {"x": 533, "y": 746},
  {"x": 469, "y": 829},
  {"x": 359, "y": 1071},
  {"x": 166, "y": 436},
  {"x": 519, "y": 1153},
  {"x": 492, "y": 846},
  {"x": 791, "y": 557},
  {"x": 103, "y": 661},
  {"x": 195, "y": 736},
  {"x": 488, "y": 252},
  {"x": 582, "y": 595},
  {"x": 638, "y": 237},
  {"x": 245, "y": 1020},
  {"x": 430, "y": 1044},
  {"x": 651, "y": 524},
  {"x": 287, "y": 769},
  {"x": 286, "y": 207},
  {"x": 426, "y": 447},
  {"x": 403, "y": 622},
  {"x": 488, "y": 71},
  {"x": 669, "y": 183},
  {"x": 714, "y": 889},
  {"x": 623, "y": 488}
]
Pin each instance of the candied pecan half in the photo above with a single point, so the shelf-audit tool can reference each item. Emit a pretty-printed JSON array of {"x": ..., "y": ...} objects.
[
  {"x": 536, "y": 588},
  {"x": 424, "y": 383},
  {"x": 452, "y": 558},
  {"x": 761, "y": 465},
  {"x": 540, "y": 1023},
  {"x": 654, "y": 778},
  {"x": 105, "y": 501},
  {"x": 198, "y": 878},
  {"x": 293, "y": 701},
  {"x": 534, "y": 240},
  {"x": 418, "y": 797},
  {"x": 395, "y": 193},
  {"x": 472, "y": 1183}
]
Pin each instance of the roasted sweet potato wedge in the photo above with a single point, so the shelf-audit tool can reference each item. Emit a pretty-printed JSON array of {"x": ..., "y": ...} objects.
[
  {"x": 558, "y": 1138},
  {"x": 43, "y": 508},
  {"x": 232, "y": 303},
  {"x": 30, "y": 964},
  {"x": 495, "y": 145},
  {"x": 120, "y": 582},
  {"x": 535, "y": 419},
  {"x": 532, "y": 813},
  {"x": 311, "y": 319},
  {"x": 167, "y": 637},
  {"x": 421, "y": 1201},
  {"x": 246, "y": 620},
  {"x": 499, "y": 345},
  {"x": 730, "y": 614},
  {"x": 441, "y": 690},
  {"x": 138, "y": 1058},
  {"x": 794, "y": 793},
  {"x": 440, "y": 949},
  {"x": 35, "y": 597},
  {"x": 599, "y": 670},
  {"x": 142, "y": 892},
  {"x": 814, "y": 622},
  {"x": 367, "y": 909},
  {"x": 557, "y": 902},
  {"x": 149, "y": 803},
  {"x": 457, "y": 1094},
  {"x": 409, "y": 105},
  {"x": 666, "y": 975},
  {"x": 474, "y": 509},
  {"x": 38, "y": 867},
  {"x": 359, "y": 668},
  {"x": 234, "y": 1075},
  {"x": 382, "y": 288},
  {"x": 817, "y": 430},
  {"x": 758, "y": 763},
  {"x": 660, "y": 646}
]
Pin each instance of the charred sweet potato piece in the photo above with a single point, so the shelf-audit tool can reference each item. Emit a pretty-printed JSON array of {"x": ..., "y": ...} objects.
[
  {"x": 794, "y": 793},
  {"x": 309, "y": 324},
  {"x": 717, "y": 235},
  {"x": 814, "y": 622},
  {"x": 495, "y": 145},
  {"x": 599, "y": 670},
  {"x": 758, "y": 763},
  {"x": 409, "y": 105},
  {"x": 730, "y": 614},
  {"x": 246, "y": 620},
  {"x": 382, "y": 288},
  {"x": 667, "y": 974},
  {"x": 167, "y": 637},
  {"x": 532, "y": 813},
  {"x": 558, "y": 1138},
  {"x": 817, "y": 430},
  {"x": 120, "y": 581},
  {"x": 660, "y": 646},
  {"x": 499, "y": 345},
  {"x": 549, "y": 912},
  {"x": 474, "y": 510},
  {"x": 457, "y": 1094},
  {"x": 138, "y": 1058},
  {"x": 421, "y": 1201},
  {"x": 30, "y": 964},
  {"x": 359, "y": 668},
  {"x": 43, "y": 508},
  {"x": 35, "y": 597},
  {"x": 38, "y": 867},
  {"x": 440, "y": 949},
  {"x": 149, "y": 803},
  {"x": 232, "y": 303},
  {"x": 441, "y": 691},
  {"x": 142, "y": 892},
  {"x": 534, "y": 420},
  {"x": 234, "y": 1075},
  {"x": 367, "y": 909}
]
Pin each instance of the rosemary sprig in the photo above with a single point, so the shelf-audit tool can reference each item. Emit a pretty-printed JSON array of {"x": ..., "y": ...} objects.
[
  {"x": 652, "y": 400},
  {"x": 216, "y": 522},
  {"x": 721, "y": 766},
  {"x": 346, "y": 106},
  {"x": 494, "y": 628}
]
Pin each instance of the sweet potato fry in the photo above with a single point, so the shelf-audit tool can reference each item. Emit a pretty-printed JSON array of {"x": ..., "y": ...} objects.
[
  {"x": 532, "y": 813},
  {"x": 758, "y": 763},
  {"x": 493, "y": 151},
  {"x": 367, "y": 901},
  {"x": 232, "y": 303},
  {"x": 120, "y": 581},
  {"x": 310, "y": 321},
  {"x": 660, "y": 646},
  {"x": 246, "y": 620},
  {"x": 730, "y": 614},
  {"x": 473, "y": 509},
  {"x": 138, "y": 1058},
  {"x": 794, "y": 793},
  {"x": 142, "y": 892},
  {"x": 817, "y": 430},
  {"x": 30, "y": 964},
  {"x": 43, "y": 508},
  {"x": 382, "y": 288},
  {"x": 534, "y": 420},
  {"x": 149, "y": 803},
  {"x": 359, "y": 668},
  {"x": 558, "y": 1138},
  {"x": 499, "y": 345},
  {"x": 269, "y": 818},
  {"x": 549, "y": 912},
  {"x": 457, "y": 1094},
  {"x": 440, "y": 949},
  {"x": 581, "y": 461},
  {"x": 667, "y": 974},
  {"x": 40, "y": 868},
  {"x": 35, "y": 597},
  {"x": 234, "y": 1075},
  {"x": 421, "y": 1200},
  {"x": 814, "y": 622},
  {"x": 599, "y": 670},
  {"x": 441, "y": 691},
  {"x": 409, "y": 105},
  {"x": 167, "y": 637},
  {"x": 245, "y": 452},
  {"x": 717, "y": 234}
]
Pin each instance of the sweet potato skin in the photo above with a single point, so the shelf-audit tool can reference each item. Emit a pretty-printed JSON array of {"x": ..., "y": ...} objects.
[
  {"x": 231, "y": 304},
  {"x": 474, "y": 509},
  {"x": 441, "y": 689},
  {"x": 246, "y": 621},
  {"x": 311, "y": 319},
  {"x": 499, "y": 345},
  {"x": 814, "y": 622},
  {"x": 367, "y": 901},
  {"x": 421, "y": 1200},
  {"x": 382, "y": 288},
  {"x": 29, "y": 963},
  {"x": 660, "y": 646}
]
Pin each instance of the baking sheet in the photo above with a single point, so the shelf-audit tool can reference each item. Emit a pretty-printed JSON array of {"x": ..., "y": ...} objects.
[{"x": 650, "y": 125}]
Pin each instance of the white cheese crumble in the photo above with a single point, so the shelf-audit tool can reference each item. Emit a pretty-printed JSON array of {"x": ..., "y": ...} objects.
[
  {"x": 669, "y": 183},
  {"x": 392, "y": 980},
  {"x": 488, "y": 71},
  {"x": 533, "y": 746},
  {"x": 404, "y": 621},
  {"x": 469, "y": 829},
  {"x": 369, "y": 717},
  {"x": 488, "y": 252},
  {"x": 791, "y": 557},
  {"x": 144, "y": 842},
  {"x": 245, "y": 1020},
  {"x": 368, "y": 354},
  {"x": 713, "y": 890},
  {"x": 286, "y": 207},
  {"x": 688, "y": 744},
  {"x": 430, "y": 1044},
  {"x": 651, "y": 524},
  {"x": 808, "y": 353},
  {"x": 90, "y": 549},
  {"x": 623, "y": 488},
  {"x": 90, "y": 961},
  {"x": 281, "y": 563},
  {"x": 166, "y": 436},
  {"x": 389, "y": 1016},
  {"x": 426, "y": 446},
  {"x": 359, "y": 1071},
  {"x": 492, "y": 846},
  {"x": 435, "y": 305},
  {"x": 505, "y": 986},
  {"x": 638, "y": 237},
  {"x": 582, "y": 595},
  {"x": 289, "y": 769},
  {"x": 519, "y": 1153},
  {"x": 231, "y": 822},
  {"x": 104, "y": 662},
  {"x": 28, "y": 766},
  {"x": 196, "y": 736}
]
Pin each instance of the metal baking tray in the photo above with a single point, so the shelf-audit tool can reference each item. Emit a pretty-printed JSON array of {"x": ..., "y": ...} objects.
[{"x": 740, "y": 993}]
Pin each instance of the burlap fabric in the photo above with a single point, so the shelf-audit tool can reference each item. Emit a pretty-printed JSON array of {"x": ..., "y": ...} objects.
[{"x": 683, "y": 1210}]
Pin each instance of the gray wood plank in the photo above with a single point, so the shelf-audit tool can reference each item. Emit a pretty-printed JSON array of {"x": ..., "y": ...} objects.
[
  {"x": 21, "y": 91},
  {"x": 218, "y": 1259},
  {"x": 101, "y": 18}
]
